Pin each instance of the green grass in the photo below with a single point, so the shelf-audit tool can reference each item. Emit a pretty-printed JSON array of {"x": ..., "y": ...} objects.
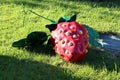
[{"x": 21, "y": 64}]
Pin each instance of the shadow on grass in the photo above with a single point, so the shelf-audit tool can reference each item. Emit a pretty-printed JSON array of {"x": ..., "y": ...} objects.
[
  {"x": 93, "y": 3},
  {"x": 95, "y": 58},
  {"x": 44, "y": 49},
  {"x": 109, "y": 32},
  {"x": 100, "y": 59},
  {"x": 100, "y": 3},
  {"x": 45, "y": 4},
  {"x": 15, "y": 69}
]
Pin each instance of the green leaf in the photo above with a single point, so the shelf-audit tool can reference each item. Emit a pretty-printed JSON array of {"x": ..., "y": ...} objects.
[
  {"x": 94, "y": 42},
  {"x": 36, "y": 38},
  {"x": 19, "y": 43},
  {"x": 93, "y": 36},
  {"x": 92, "y": 33},
  {"x": 49, "y": 41}
]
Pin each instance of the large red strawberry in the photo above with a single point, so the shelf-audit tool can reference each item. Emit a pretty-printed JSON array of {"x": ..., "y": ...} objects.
[{"x": 69, "y": 40}]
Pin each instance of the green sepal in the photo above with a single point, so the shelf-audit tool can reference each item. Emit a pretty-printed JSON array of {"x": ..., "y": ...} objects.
[
  {"x": 66, "y": 18},
  {"x": 61, "y": 20},
  {"x": 73, "y": 18},
  {"x": 20, "y": 43},
  {"x": 51, "y": 27}
]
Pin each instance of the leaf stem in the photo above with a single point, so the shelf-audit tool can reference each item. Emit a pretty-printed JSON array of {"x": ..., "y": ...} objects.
[{"x": 43, "y": 17}]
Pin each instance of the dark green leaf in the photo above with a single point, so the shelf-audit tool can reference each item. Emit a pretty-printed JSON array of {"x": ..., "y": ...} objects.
[
  {"x": 20, "y": 43},
  {"x": 49, "y": 42},
  {"x": 36, "y": 38}
]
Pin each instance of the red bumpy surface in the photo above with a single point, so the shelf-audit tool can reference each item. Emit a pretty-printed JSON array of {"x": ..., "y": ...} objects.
[{"x": 70, "y": 41}]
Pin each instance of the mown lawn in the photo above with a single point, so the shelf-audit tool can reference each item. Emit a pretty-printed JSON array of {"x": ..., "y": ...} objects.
[{"x": 16, "y": 22}]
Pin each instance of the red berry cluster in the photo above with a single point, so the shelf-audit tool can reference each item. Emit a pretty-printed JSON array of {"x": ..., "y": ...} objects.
[{"x": 70, "y": 41}]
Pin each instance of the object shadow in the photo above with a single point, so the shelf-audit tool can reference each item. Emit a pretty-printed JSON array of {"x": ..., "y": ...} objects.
[
  {"x": 111, "y": 41},
  {"x": 16, "y": 69},
  {"x": 100, "y": 60},
  {"x": 100, "y": 3},
  {"x": 43, "y": 49},
  {"x": 92, "y": 3},
  {"x": 110, "y": 33}
]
